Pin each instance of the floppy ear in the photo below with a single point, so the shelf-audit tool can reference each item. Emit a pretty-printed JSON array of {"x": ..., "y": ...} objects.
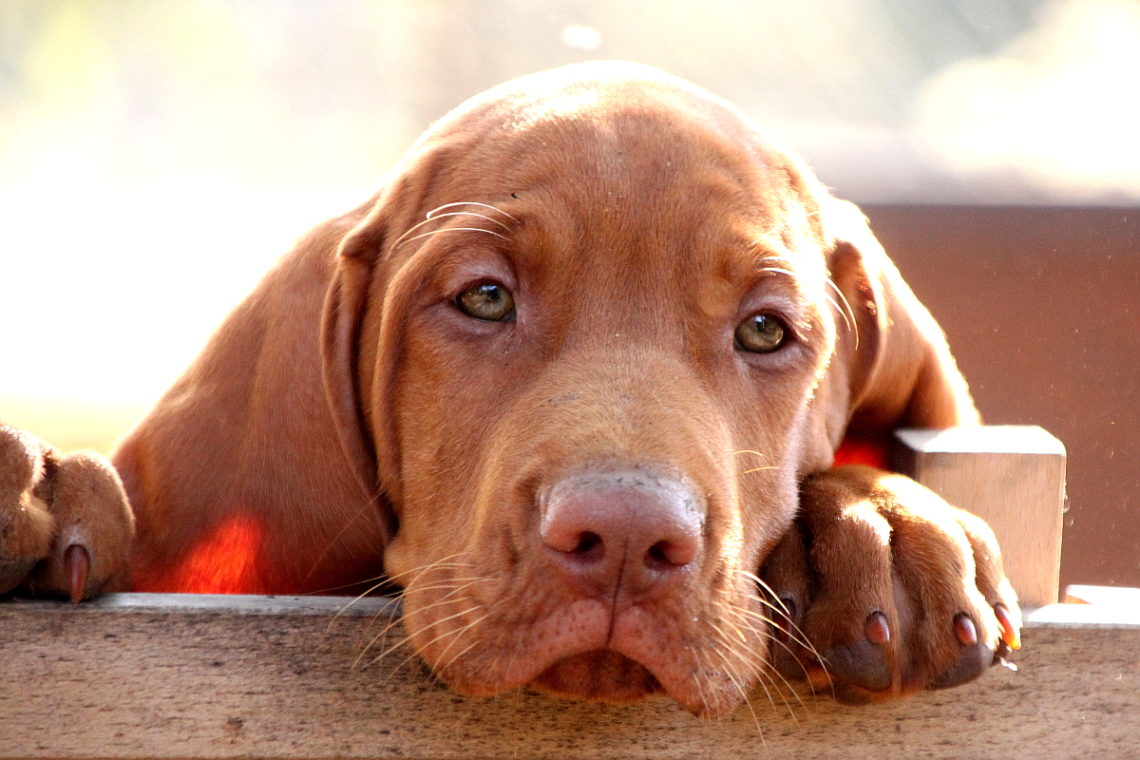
[
  {"x": 894, "y": 358},
  {"x": 342, "y": 327}
]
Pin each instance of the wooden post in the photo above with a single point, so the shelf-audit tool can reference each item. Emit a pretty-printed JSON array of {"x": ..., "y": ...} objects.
[{"x": 1013, "y": 477}]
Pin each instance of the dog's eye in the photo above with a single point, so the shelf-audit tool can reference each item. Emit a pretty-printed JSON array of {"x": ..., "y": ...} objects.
[
  {"x": 761, "y": 334},
  {"x": 488, "y": 301}
]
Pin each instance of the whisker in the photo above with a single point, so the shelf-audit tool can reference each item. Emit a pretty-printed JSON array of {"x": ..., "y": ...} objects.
[
  {"x": 795, "y": 633},
  {"x": 702, "y": 667},
  {"x": 732, "y": 676},
  {"x": 406, "y": 639},
  {"x": 782, "y": 689},
  {"x": 452, "y": 229},
  {"x": 435, "y": 211},
  {"x": 842, "y": 306},
  {"x": 802, "y": 641},
  {"x": 465, "y": 650},
  {"x": 447, "y": 561},
  {"x": 457, "y": 583},
  {"x": 763, "y": 585},
  {"x": 845, "y": 311},
  {"x": 765, "y": 672},
  {"x": 400, "y": 240},
  {"x": 756, "y": 453},
  {"x": 435, "y": 215},
  {"x": 440, "y": 564},
  {"x": 368, "y": 507},
  {"x": 768, "y": 671},
  {"x": 433, "y": 218},
  {"x": 377, "y": 581},
  {"x": 779, "y": 270},
  {"x": 380, "y": 581},
  {"x": 454, "y": 634},
  {"x": 446, "y": 599}
]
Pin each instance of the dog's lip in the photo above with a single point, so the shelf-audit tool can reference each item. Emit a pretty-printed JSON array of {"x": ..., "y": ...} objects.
[
  {"x": 682, "y": 674},
  {"x": 598, "y": 675},
  {"x": 591, "y": 631}
]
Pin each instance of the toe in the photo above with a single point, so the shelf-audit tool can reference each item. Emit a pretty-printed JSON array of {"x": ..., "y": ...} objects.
[
  {"x": 973, "y": 657},
  {"x": 864, "y": 663}
]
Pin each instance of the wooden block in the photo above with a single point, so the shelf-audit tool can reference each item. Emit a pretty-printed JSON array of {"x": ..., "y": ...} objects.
[
  {"x": 1107, "y": 597},
  {"x": 1011, "y": 476}
]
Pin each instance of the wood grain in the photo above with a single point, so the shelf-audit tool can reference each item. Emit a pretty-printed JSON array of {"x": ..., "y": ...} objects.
[
  {"x": 1013, "y": 477},
  {"x": 137, "y": 675}
]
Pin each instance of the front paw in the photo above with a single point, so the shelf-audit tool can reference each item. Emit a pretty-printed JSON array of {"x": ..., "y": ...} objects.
[
  {"x": 65, "y": 524},
  {"x": 888, "y": 588}
]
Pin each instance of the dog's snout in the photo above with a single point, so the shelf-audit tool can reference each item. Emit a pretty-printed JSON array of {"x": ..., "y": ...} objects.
[{"x": 622, "y": 533}]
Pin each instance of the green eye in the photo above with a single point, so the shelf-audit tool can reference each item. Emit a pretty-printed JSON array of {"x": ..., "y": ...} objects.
[
  {"x": 761, "y": 334},
  {"x": 488, "y": 301}
]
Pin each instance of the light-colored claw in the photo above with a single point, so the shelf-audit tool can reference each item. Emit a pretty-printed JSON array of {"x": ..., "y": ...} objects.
[
  {"x": 76, "y": 565},
  {"x": 1009, "y": 633}
]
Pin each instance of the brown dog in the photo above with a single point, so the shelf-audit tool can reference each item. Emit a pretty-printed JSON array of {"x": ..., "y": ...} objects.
[{"x": 570, "y": 377}]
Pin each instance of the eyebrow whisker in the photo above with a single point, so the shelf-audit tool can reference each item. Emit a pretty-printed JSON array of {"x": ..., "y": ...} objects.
[
  {"x": 452, "y": 229},
  {"x": 843, "y": 306},
  {"x": 435, "y": 211}
]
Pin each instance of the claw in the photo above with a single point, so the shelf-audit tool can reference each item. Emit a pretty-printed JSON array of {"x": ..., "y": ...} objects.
[
  {"x": 965, "y": 630},
  {"x": 865, "y": 663},
  {"x": 76, "y": 565},
  {"x": 1009, "y": 632},
  {"x": 876, "y": 628}
]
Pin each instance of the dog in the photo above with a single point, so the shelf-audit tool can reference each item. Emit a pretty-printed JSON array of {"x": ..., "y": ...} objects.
[{"x": 582, "y": 381}]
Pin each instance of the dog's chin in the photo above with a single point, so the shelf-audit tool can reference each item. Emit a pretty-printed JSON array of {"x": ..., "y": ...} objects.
[{"x": 600, "y": 676}]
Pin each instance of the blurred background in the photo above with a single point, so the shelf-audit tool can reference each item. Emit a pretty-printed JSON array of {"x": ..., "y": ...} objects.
[{"x": 155, "y": 158}]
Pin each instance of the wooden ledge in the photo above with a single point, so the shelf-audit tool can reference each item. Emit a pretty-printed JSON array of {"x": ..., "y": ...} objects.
[{"x": 140, "y": 675}]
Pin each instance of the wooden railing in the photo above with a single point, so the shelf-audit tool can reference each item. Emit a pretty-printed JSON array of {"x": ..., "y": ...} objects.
[{"x": 138, "y": 675}]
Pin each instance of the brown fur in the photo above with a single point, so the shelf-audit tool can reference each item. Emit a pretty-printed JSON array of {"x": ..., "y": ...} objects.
[{"x": 348, "y": 413}]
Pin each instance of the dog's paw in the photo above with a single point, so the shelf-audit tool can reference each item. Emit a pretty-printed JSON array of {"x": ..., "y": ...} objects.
[
  {"x": 883, "y": 589},
  {"x": 65, "y": 524}
]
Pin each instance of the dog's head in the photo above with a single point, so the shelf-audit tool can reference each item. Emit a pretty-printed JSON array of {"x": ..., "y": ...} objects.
[{"x": 587, "y": 340}]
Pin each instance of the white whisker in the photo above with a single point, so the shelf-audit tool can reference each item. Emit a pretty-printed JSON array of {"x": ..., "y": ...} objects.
[
  {"x": 441, "y": 212},
  {"x": 435, "y": 211},
  {"x": 845, "y": 310},
  {"x": 451, "y": 229},
  {"x": 406, "y": 639}
]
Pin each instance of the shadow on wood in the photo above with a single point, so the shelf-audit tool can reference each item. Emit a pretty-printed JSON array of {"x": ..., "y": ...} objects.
[{"x": 138, "y": 675}]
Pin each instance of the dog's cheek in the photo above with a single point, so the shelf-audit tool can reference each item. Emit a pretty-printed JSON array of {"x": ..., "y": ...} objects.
[{"x": 442, "y": 425}]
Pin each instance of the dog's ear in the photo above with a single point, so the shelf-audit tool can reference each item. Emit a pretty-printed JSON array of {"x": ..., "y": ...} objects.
[
  {"x": 346, "y": 309},
  {"x": 893, "y": 359}
]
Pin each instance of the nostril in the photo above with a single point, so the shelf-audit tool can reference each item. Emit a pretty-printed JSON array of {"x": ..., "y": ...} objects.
[
  {"x": 628, "y": 529},
  {"x": 666, "y": 555},
  {"x": 589, "y": 546},
  {"x": 658, "y": 556}
]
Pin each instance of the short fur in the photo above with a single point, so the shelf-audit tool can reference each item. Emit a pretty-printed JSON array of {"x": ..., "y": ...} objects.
[{"x": 350, "y": 421}]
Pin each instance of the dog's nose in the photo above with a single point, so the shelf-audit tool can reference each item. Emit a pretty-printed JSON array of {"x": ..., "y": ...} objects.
[{"x": 619, "y": 534}]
